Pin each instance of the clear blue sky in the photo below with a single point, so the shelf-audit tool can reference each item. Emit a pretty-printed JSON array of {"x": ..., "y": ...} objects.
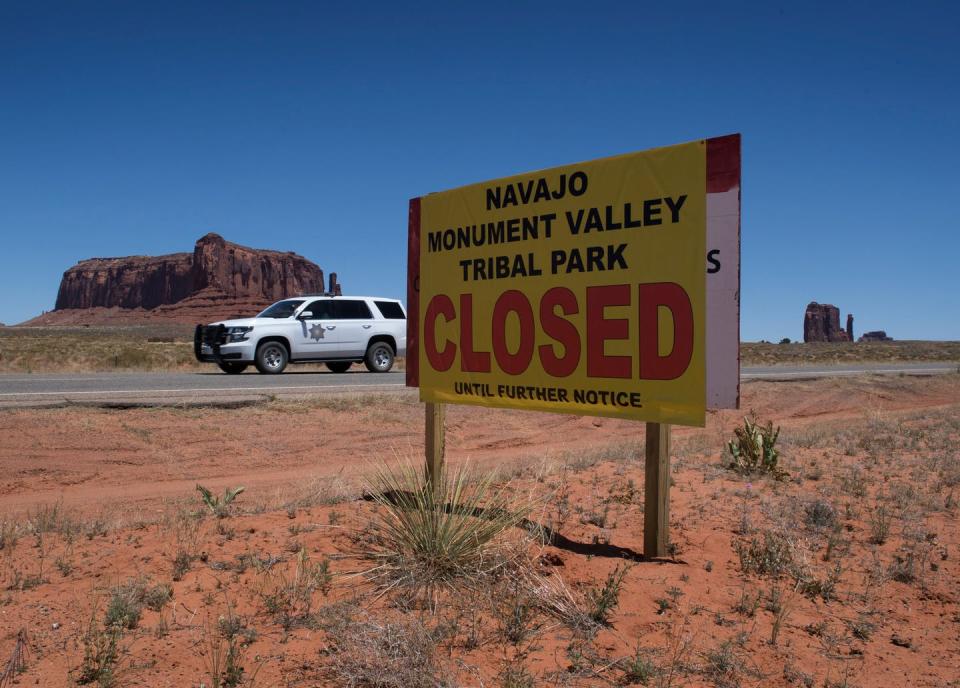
[{"x": 135, "y": 128}]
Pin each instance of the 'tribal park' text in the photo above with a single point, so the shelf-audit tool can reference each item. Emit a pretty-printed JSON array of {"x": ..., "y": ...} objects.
[{"x": 582, "y": 221}]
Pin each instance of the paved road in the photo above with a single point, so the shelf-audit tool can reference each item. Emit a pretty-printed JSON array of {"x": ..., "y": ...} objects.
[{"x": 18, "y": 390}]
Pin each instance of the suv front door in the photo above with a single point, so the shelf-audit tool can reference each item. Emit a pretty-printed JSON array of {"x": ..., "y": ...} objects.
[{"x": 316, "y": 335}]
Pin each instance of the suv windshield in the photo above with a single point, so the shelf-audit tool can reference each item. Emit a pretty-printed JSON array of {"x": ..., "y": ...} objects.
[{"x": 281, "y": 309}]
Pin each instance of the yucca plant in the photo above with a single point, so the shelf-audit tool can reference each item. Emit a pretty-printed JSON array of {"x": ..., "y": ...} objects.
[
  {"x": 753, "y": 449},
  {"x": 429, "y": 537},
  {"x": 219, "y": 506}
]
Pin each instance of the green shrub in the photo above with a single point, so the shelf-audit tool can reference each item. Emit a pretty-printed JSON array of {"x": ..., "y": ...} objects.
[
  {"x": 753, "y": 450},
  {"x": 124, "y": 608},
  {"x": 101, "y": 652},
  {"x": 602, "y": 601},
  {"x": 219, "y": 506}
]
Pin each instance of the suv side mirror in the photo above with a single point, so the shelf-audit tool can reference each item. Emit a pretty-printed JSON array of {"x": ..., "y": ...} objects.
[{"x": 305, "y": 315}]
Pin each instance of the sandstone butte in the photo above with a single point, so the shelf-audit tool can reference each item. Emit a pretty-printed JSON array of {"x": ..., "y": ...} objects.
[
  {"x": 821, "y": 323},
  {"x": 218, "y": 280}
]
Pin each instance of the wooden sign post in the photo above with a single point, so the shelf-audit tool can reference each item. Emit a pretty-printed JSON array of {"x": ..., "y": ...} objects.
[
  {"x": 434, "y": 443},
  {"x": 656, "y": 504}
]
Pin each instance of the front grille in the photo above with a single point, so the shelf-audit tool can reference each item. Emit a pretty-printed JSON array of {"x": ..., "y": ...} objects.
[{"x": 213, "y": 336}]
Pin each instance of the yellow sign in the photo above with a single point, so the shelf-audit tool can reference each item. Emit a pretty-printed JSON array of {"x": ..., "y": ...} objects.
[{"x": 578, "y": 289}]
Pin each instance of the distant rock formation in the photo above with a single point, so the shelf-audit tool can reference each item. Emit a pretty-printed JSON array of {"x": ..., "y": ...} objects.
[
  {"x": 821, "y": 323},
  {"x": 219, "y": 279},
  {"x": 334, "y": 285},
  {"x": 875, "y": 336},
  {"x": 850, "y": 326}
]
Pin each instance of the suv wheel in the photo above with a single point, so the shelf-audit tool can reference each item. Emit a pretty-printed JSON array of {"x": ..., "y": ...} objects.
[
  {"x": 232, "y": 368},
  {"x": 379, "y": 358},
  {"x": 339, "y": 366},
  {"x": 271, "y": 358}
]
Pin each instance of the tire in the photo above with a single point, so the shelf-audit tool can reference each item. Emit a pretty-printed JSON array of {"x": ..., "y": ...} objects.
[
  {"x": 379, "y": 358},
  {"x": 271, "y": 358},
  {"x": 232, "y": 368},
  {"x": 339, "y": 366}
]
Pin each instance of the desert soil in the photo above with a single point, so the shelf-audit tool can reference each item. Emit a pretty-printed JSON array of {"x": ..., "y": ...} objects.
[{"x": 844, "y": 573}]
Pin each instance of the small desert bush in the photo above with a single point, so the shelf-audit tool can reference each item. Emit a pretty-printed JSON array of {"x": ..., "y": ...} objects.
[
  {"x": 880, "y": 521},
  {"x": 377, "y": 654},
  {"x": 124, "y": 609},
  {"x": 425, "y": 538},
  {"x": 289, "y": 599},
  {"x": 10, "y": 533},
  {"x": 226, "y": 644},
  {"x": 753, "y": 450},
  {"x": 637, "y": 669},
  {"x": 602, "y": 600},
  {"x": 127, "y": 601},
  {"x": 516, "y": 613},
  {"x": 101, "y": 654},
  {"x": 219, "y": 506},
  {"x": 771, "y": 554},
  {"x": 820, "y": 515}
]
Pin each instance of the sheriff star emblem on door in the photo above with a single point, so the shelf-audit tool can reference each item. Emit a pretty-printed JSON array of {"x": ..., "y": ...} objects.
[{"x": 316, "y": 332}]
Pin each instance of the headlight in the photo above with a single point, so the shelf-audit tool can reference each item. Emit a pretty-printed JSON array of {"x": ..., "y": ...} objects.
[{"x": 238, "y": 334}]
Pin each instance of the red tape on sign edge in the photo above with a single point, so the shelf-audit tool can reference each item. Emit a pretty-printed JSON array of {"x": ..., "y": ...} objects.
[
  {"x": 723, "y": 163},
  {"x": 413, "y": 294}
]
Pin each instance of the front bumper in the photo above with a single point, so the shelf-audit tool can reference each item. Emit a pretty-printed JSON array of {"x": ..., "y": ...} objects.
[{"x": 210, "y": 346}]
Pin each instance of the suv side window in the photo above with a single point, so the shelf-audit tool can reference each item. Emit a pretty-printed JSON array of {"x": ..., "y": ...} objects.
[
  {"x": 346, "y": 309},
  {"x": 391, "y": 310},
  {"x": 321, "y": 310}
]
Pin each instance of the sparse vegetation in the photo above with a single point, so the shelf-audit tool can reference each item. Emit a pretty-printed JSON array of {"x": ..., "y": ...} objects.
[{"x": 556, "y": 601}]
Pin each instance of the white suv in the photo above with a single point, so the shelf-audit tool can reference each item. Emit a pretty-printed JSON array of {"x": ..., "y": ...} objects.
[{"x": 336, "y": 330}]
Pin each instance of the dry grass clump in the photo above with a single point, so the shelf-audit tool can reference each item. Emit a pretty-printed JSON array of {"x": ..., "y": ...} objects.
[
  {"x": 289, "y": 599},
  {"x": 585, "y": 615},
  {"x": 372, "y": 653},
  {"x": 427, "y": 538}
]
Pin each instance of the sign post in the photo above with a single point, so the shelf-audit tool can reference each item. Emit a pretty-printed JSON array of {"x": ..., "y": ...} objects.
[
  {"x": 656, "y": 500},
  {"x": 609, "y": 288},
  {"x": 434, "y": 444}
]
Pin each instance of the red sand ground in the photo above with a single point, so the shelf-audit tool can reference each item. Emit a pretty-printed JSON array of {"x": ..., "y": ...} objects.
[{"x": 852, "y": 444}]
